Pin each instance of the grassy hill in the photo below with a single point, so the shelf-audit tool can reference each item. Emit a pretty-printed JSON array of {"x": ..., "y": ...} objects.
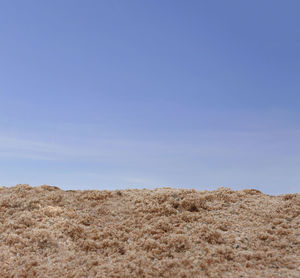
[{"x": 166, "y": 232}]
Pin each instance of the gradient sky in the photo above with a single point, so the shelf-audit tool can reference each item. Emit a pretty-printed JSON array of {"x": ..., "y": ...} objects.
[{"x": 143, "y": 94}]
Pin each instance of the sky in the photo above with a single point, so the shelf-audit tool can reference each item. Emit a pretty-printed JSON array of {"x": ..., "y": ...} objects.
[{"x": 146, "y": 94}]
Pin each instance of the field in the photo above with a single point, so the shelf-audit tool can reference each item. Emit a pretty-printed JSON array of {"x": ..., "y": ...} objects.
[{"x": 166, "y": 232}]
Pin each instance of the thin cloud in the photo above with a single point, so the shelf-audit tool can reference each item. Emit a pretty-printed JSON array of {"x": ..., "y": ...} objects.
[
  {"x": 213, "y": 144},
  {"x": 22, "y": 148}
]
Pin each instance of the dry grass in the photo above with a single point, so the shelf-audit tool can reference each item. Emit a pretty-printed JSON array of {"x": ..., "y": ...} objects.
[{"x": 48, "y": 232}]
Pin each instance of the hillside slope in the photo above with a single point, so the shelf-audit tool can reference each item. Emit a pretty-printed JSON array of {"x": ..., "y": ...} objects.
[{"x": 48, "y": 232}]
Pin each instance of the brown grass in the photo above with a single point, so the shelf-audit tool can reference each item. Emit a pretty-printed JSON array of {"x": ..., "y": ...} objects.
[{"x": 48, "y": 232}]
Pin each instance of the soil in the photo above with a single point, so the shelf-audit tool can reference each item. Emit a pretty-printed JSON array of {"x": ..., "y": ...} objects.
[{"x": 166, "y": 232}]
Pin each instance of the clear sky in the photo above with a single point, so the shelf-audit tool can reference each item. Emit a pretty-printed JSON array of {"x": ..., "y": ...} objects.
[{"x": 143, "y": 94}]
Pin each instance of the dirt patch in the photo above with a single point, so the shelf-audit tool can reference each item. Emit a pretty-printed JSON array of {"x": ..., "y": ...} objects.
[{"x": 48, "y": 232}]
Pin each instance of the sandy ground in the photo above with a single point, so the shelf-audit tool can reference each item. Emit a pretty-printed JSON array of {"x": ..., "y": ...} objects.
[{"x": 48, "y": 232}]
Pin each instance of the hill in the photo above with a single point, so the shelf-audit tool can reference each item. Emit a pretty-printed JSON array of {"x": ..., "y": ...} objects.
[{"x": 166, "y": 232}]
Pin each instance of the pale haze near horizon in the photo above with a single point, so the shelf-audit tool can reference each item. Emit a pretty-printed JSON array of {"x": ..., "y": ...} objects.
[{"x": 145, "y": 94}]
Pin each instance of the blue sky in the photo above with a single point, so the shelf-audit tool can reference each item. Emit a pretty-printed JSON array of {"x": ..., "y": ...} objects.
[{"x": 143, "y": 94}]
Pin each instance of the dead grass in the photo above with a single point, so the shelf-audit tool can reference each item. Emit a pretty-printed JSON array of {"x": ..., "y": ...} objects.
[{"x": 48, "y": 232}]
